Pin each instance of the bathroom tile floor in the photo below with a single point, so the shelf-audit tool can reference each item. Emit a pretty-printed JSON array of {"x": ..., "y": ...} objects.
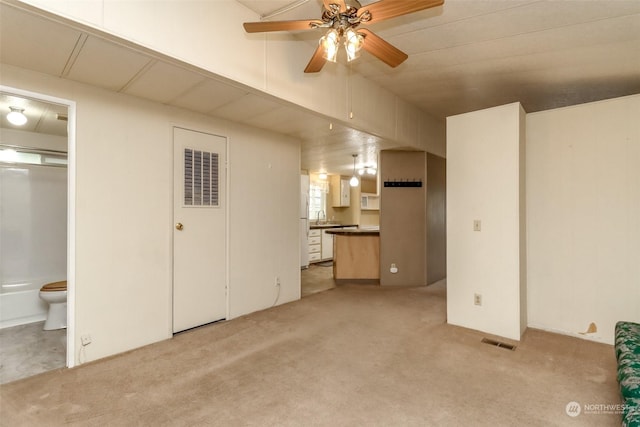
[{"x": 27, "y": 350}]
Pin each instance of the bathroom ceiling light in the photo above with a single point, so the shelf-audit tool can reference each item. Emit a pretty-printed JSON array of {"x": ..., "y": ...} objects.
[
  {"x": 323, "y": 176},
  {"x": 16, "y": 116},
  {"x": 354, "y": 179}
]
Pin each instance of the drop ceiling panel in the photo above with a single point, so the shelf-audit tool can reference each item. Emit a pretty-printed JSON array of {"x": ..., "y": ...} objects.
[
  {"x": 163, "y": 82},
  {"x": 245, "y": 108},
  {"x": 208, "y": 96},
  {"x": 34, "y": 43},
  {"x": 287, "y": 120},
  {"x": 106, "y": 64}
]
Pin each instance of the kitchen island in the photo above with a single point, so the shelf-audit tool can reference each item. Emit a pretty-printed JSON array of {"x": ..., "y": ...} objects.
[{"x": 356, "y": 254}]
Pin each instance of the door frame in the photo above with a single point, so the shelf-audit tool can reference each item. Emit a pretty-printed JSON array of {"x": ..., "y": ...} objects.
[
  {"x": 71, "y": 209},
  {"x": 226, "y": 215}
]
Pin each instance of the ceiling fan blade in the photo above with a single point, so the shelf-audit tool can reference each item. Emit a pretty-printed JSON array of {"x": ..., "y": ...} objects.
[
  {"x": 266, "y": 26},
  {"x": 317, "y": 61},
  {"x": 386, "y": 9},
  {"x": 381, "y": 49},
  {"x": 343, "y": 6}
]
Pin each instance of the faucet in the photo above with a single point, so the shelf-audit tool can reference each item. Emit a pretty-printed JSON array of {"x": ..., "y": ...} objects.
[{"x": 318, "y": 216}]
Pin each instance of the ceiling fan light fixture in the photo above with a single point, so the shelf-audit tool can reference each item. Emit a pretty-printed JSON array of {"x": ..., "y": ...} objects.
[
  {"x": 353, "y": 43},
  {"x": 330, "y": 45},
  {"x": 16, "y": 116}
]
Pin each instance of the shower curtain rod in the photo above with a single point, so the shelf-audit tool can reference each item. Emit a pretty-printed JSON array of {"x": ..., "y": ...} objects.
[{"x": 33, "y": 150}]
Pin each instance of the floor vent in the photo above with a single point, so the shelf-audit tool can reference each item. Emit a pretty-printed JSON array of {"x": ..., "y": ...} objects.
[{"x": 499, "y": 344}]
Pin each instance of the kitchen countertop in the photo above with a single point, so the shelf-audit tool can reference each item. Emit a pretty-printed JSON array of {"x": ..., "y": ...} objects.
[
  {"x": 330, "y": 225},
  {"x": 354, "y": 232}
]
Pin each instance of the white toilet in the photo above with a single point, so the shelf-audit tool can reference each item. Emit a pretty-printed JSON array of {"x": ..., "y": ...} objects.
[{"x": 55, "y": 294}]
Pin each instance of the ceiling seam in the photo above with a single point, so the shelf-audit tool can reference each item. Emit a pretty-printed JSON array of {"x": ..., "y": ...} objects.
[
  {"x": 36, "y": 128},
  {"x": 73, "y": 56},
  {"x": 137, "y": 75},
  {"x": 189, "y": 89}
]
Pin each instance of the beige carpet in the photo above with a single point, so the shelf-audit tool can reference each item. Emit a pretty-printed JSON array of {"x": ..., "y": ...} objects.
[{"x": 352, "y": 356}]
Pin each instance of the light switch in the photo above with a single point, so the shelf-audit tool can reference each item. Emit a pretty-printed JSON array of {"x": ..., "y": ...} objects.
[{"x": 476, "y": 225}]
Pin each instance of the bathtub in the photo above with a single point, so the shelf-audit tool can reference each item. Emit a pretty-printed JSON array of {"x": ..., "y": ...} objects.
[{"x": 21, "y": 304}]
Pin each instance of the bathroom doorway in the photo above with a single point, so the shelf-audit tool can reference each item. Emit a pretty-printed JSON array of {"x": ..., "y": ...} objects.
[{"x": 36, "y": 227}]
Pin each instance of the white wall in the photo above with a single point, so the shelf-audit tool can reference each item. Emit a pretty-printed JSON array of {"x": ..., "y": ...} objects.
[
  {"x": 264, "y": 225},
  {"x": 484, "y": 183},
  {"x": 124, "y": 219},
  {"x": 209, "y": 34},
  {"x": 583, "y": 209}
]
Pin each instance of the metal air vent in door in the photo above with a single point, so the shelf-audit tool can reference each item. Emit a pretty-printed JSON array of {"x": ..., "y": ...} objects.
[{"x": 201, "y": 169}]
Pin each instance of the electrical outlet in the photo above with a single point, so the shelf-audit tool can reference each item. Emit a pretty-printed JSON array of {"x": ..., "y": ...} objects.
[
  {"x": 85, "y": 340},
  {"x": 277, "y": 281},
  {"x": 477, "y": 225},
  {"x": 393, "y": 269},
  {"x": 477, "y": 299}
]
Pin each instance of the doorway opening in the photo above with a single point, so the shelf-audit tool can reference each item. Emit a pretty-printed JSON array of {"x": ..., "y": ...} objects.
[{"x": 37, "y": 189}]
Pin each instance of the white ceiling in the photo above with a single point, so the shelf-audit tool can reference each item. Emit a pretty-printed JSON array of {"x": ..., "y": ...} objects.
[
  {"x": 42, "y": 117},
  {"x": 463, "y": 56}
]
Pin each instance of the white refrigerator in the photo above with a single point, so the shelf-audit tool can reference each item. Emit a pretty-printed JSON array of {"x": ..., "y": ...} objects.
[{"x": 304, "y": 221}]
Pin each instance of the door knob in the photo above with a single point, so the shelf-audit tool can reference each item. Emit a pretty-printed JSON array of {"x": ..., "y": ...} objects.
[{"x": 179, "y": 226}]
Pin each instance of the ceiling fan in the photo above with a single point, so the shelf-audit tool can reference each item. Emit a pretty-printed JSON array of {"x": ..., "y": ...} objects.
[{"x": 342, "y": 19}]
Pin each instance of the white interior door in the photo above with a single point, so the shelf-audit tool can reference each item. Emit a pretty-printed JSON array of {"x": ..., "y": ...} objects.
[{"x": 199, "y": 242}]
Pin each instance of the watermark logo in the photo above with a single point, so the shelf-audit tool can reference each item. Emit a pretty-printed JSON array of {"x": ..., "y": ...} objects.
[{"x": 573, "y": 409}]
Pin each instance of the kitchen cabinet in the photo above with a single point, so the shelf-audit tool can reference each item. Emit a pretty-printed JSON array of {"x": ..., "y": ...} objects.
[
  {"x": 370, "y": 202},
  {"x": 321, "y": 243},
  {"x": 341, "y": 193},
  {"x": 315, "y": 245},
  {"x": 357, "y": 254},
  {"x": 326, "y": 246}
]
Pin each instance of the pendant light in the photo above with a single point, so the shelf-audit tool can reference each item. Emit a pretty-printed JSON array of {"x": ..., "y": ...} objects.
[{"x": 354, "y": 181}]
